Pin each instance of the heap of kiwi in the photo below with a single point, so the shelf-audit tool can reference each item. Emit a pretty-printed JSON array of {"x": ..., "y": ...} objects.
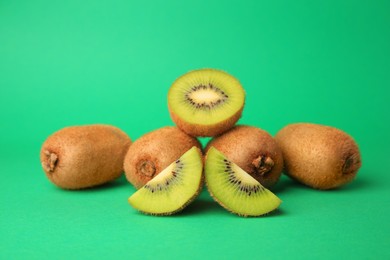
[
  {"x": 209, "y": 102},
  {"x": 166, "y": 166}
]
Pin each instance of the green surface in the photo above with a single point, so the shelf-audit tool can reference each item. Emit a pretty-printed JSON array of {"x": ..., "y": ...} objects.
[{"x": 80, "y": 62}]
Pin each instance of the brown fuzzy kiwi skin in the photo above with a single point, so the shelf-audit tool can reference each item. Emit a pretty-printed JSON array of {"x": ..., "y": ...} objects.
[
  {"x": 201, "y": 185},
  {"x": 198, "y": 130},
  {"x": 252, "y": 149},
  {"x": 154, "y": 151},
  {"x": 79, "y": 157},
  {"x": 321, "y": 157}
]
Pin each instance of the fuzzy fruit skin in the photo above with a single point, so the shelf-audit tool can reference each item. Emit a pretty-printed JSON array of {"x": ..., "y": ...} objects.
[
  {"x": 244, "y": 144},
  {"x": 154, "y": 151},
  {"x": 80, "y": 157},
  {"x": 321, "y": 157},
  {"x": 197, "y": 130}
]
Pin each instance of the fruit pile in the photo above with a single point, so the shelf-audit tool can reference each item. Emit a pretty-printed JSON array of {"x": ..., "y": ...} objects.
[{"x": 168, "y": 166}]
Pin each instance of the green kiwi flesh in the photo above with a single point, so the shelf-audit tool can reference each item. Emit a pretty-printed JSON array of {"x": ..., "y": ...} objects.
[
  {"x": 321, "y": 157},
  {"x": 206, "y": 102},
  {"x": 236, "y": 190},
  {"x": 172, "y": 189}
]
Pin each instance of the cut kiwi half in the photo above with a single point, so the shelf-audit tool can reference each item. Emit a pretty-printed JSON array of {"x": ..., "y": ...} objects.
[
  {"x": 172, "y": 189},
  {"x": 236, "y": 190},
  {"x": 206, "y": 102}
]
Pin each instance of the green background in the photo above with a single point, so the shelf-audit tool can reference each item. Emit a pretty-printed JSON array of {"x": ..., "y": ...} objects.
[{"x": 68, "y": 63}]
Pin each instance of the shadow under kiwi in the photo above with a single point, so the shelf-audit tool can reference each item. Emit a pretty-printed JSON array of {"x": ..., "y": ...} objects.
[
  {"x": 200, "y": 206},
  {"x": 284, "y": 184},
  {"x": 203, "y": 203},
  {"x": 360, "y": 182},
  {"x": 287, "y": 184},
  {"x": 206, "y": 204},
  {"x": 213, "y": 207},
  {"x": 118, "y": 182}
]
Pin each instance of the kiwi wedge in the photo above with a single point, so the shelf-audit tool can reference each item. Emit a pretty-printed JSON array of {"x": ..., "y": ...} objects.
[
  {"x": 172, "y": 189},
  {"x": 236, "y": 190},
  {"x": 321, "y": 157},
  {"x": 154, "y": 151},
  {"x": 254, "y": 150},
  {"x": 206, "y": 102}
]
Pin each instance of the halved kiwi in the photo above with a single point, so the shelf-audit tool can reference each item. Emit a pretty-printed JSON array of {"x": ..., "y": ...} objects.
[
  {"x": 206, "y": 102},
  {"x": 172, "y": 189},
  {"x": 236, "y": 190}
]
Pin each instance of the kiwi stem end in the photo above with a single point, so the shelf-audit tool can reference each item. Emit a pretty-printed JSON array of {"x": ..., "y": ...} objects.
[
  {"x": 147, "y": 168},
  {"x": 351, "y": 164},
  {"x": 51, "y": 161},
  {"x": 263, "y": 164}
]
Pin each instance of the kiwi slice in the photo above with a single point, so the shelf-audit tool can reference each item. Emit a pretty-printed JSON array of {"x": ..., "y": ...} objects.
[
  {"x": 172, "y": 189},
  {"x": 321, "y": 157},
  {"x": 236, "y": 190},
  {"x": 206, "y": 102}
]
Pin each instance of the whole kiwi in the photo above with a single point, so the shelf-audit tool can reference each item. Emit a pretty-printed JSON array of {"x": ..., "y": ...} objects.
[
  {"x": 154, "y": 151},
  {"x": 254, "y": 150},
  {"x": 79, "y": 157},
  {"x": 321, "y": 157}
]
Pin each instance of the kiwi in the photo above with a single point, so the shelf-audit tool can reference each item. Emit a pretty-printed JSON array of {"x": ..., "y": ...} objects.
[
  {"x": 252, "y": 149},
  {"x": 321, "y": 157},
  {"x": 236, "y": 190},
  {"x": 206, "y": 102},
  {"x": 172, "y": 189},
  {"x": 84, "y": 156},
  {"x": 153, "y": 152}
]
